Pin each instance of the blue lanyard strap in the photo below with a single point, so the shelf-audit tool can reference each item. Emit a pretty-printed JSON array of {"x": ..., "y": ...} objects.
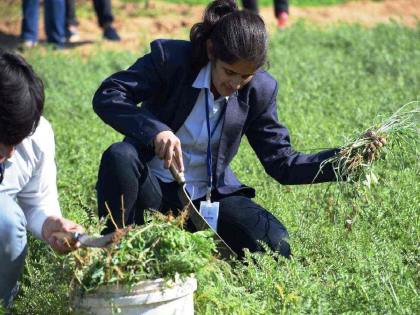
[
  {"x": 2, "y": 168},
  {"x": 210, "y": 135}
]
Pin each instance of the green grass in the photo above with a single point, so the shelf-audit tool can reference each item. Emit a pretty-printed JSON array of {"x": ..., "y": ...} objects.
[
  {"x": 332, "y": 81},
  {"x": 10, "y": 11}
]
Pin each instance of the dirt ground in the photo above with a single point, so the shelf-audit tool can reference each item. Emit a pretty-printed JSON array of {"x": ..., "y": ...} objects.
[{"x": 137, "y": 26}]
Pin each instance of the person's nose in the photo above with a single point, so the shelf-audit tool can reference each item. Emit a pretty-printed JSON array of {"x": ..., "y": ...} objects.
[{"x": 235, "y": 84}]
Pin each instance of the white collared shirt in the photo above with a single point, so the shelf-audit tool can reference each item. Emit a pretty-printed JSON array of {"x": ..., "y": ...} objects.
[
  {"x": 30, "y": 177},
  {"x": 194, "y": 139}
]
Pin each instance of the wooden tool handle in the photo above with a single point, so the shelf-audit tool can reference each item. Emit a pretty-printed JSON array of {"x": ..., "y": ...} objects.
[
  {"x": 177, "y": 175},
  {"x": 68, "y": 236}
]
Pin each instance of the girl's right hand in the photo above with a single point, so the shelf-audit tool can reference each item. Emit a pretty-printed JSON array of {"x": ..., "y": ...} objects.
[{"x": 168, "y": 147}]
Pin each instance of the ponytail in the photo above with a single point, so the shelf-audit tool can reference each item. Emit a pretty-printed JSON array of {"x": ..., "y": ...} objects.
[{"x": 235, "y": 34}]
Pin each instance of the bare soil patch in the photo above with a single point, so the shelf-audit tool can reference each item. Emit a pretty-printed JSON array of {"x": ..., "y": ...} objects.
[
  {"x": 406, "y": 12},
  {"x": 138, "y": 26}
]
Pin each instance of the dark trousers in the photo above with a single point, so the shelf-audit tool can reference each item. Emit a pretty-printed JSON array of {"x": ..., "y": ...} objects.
[
  {"x": 279, "y": 6},
  {"x": 54, "y": 20},
  {"x": 123, "y": 172},
  {"x": 102, "y": 8},
  {"x": 103, "y": 11},
  {"x": 71, "y": 14}
]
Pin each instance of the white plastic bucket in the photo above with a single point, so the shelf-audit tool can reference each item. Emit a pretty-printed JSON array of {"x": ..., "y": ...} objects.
[{"x": 150, "y": 297}]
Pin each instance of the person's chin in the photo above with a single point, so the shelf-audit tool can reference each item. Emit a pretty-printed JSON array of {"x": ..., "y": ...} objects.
[
  {"x": 228, "y": 92},
  {"x": 2, "y": 159}
]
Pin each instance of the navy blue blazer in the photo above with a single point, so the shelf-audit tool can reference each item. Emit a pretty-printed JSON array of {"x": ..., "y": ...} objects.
[{"x": 162, "y": 81}]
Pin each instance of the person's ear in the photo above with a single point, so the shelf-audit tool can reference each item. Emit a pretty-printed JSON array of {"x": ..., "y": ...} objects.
[{"x": 209, "y": 47}]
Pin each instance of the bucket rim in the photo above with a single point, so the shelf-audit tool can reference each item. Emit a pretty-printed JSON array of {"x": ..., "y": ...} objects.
[
  {"x": 143, "y": 287},
  {"x": 124, "y": 298}
]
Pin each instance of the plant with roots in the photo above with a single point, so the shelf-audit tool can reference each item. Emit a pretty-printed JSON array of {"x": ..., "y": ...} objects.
[{"x": 354, "y": 161}]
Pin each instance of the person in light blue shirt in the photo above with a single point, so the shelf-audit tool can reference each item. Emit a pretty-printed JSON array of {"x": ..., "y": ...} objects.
[{"x": 27, "y": 172}]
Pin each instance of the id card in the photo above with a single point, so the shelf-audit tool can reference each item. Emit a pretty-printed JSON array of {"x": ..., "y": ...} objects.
[{"x": 210, "y": 212}]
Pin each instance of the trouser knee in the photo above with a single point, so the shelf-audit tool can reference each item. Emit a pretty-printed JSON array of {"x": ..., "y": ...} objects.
[
  {"x": 122, "y": 171},
  {"x": 120, "y": 156},
  {"x": 275, "y": 235},
  {"x": 245, "y": 224},
  {"x": 13, "y": 243},
  {"x": 12, "y": 223}
]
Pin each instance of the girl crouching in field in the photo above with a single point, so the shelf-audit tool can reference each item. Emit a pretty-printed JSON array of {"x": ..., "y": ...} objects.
[{"x": 214, "y": 80}]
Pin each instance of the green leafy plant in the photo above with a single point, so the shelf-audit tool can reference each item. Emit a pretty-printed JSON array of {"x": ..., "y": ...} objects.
[
  {"x": 160, "y": 249},
  {"x": 3, "y": 310}
]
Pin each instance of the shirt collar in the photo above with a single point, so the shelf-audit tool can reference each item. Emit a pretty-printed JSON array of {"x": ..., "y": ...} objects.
[
  {"x": 203, "y": 80},
  {"x": 11, "y": 160}
]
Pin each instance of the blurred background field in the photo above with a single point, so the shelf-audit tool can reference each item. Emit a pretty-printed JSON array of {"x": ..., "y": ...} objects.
[
  {"x": 353, "y": 254},
  {"x": 138, "y": 25}
]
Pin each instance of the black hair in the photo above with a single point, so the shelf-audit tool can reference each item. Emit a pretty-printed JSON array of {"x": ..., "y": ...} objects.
[
  {"x": 21, "y": 99},
  {"x": 235, "y": 35}
]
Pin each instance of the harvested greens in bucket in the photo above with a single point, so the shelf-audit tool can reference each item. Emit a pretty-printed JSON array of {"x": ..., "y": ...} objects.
[{"x": 159, "y": 249}]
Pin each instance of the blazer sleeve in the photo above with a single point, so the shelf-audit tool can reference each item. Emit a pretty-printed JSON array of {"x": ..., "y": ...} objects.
[
  {"x": 116, "y": 100},
  {"x": 271, "y": 142}
]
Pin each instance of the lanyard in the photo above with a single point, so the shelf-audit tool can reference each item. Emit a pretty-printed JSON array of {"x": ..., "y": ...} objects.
[
  {"x": 2, "y": 169},
  {"x": 210, "y": 135}
]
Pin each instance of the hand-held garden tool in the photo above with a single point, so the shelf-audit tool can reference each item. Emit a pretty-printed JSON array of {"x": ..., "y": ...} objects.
[
  {"x": 197, "y": 219},
  {"x": 86, "y": 240}
]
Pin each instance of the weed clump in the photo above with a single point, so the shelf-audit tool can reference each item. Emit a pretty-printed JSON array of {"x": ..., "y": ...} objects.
[
  {"x": 354, "y": 162},
  {"x": 160, "y": 249}
]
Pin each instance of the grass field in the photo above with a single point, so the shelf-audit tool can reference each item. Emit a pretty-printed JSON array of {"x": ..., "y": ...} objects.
[{"x": 332, "y": 81}]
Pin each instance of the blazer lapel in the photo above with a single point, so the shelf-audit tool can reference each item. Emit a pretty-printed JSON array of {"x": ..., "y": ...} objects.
[
  {"x": 187, "y": 100},
  {"x": 235, "y": 116}
]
